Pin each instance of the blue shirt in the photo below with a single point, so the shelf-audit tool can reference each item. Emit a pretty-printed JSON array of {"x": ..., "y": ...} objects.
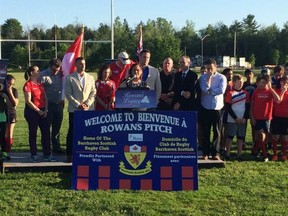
[
  {"x": 53, "y": 85},
  {"x": 145, "y": 73},
  {"x": 214, "y": 100}
]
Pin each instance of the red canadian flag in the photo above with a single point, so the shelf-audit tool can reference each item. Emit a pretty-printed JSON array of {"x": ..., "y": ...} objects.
[{"x": 71, "y": 54}]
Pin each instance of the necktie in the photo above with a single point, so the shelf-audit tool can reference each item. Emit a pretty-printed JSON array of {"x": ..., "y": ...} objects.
[{"x": 183, "y": 75}]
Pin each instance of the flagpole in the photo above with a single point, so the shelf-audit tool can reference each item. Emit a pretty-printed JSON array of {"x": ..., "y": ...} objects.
[
  {"x": 55, "y": 36},
  {"x": 82, "y": 49},
  {"x": 140, "y": 42},
  {"x": 112, "y": 29}
]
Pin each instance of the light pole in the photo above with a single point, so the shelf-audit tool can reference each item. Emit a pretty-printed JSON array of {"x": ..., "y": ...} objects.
[{"x": 202, "y": 39}]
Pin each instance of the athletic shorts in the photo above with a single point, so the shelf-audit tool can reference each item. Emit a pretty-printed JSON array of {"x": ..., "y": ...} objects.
[
  {"x": 263, "y": 125},
  {"x": 238, "y": 130},
  {"x": 279, "y": 126},
  {"x": 11, "y": 117}
]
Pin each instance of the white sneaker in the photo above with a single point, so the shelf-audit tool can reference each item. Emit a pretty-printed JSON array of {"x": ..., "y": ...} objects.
[{"x": 266, "y": 159}]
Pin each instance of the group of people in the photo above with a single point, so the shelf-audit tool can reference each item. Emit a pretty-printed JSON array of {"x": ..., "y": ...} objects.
[
  {"x": 224, "y": 102},
  {"x": 265, "y": 103}
]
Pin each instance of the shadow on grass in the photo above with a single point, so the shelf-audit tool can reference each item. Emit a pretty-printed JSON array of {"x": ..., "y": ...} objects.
[{"x": 64, "y": 183}]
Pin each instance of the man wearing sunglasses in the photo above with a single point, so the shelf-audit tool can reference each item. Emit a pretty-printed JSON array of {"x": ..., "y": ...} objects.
[{"x": 120, "y": 68}]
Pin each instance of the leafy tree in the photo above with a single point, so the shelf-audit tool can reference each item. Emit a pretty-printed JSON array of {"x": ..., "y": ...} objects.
[
  {"x": 11, "y": 29},
  {"x": 160, "y": 39},
  {"x": 250, "y": 28},
  {"x": 188, "y": 39},
  {"x": 275, "y": 56},
  {"x": 20, "y": 56},
  {"x": 265, "y": 43},
  {"x": 252, "y": 60},
  {"x": 269, "y": 44},
  {"x": 283, "y": 42},
  {"x": 250, "y": 25}
]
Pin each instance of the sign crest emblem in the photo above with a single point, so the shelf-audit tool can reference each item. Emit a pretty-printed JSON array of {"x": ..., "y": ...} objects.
[{"x": 135, "y": 155}]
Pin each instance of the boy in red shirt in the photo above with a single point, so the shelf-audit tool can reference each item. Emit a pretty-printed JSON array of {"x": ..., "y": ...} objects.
[
  {"x": 279, "y": 123},
  {"x": 261, "y": 113}
]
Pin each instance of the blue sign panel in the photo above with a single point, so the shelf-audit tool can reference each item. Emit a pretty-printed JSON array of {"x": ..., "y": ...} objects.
[
  {"x": 135, "y": 98},
  {"x": 134, "y": 150}
]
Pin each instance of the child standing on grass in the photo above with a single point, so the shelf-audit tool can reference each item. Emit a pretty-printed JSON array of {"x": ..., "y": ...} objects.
[
  {"x": 250, "y": 87},
  {"x": 4, "y": 155},
  {"x": 11, "y": 102},
  {"x": 237, "y": 106},
  {"x": 261, "y": 113},
  {"x": 279, "y": 123}
]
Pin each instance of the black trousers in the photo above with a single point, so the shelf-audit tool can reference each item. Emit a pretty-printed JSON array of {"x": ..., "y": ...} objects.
[
  {"x": 211, "y": 118},
  {"x": 55, "y": 117}
]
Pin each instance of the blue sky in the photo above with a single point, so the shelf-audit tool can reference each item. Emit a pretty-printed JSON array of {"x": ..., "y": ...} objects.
[{"x": 93, "y": 12}]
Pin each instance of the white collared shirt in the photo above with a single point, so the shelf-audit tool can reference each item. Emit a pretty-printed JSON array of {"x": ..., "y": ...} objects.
[{"x": 82, "y": 80}]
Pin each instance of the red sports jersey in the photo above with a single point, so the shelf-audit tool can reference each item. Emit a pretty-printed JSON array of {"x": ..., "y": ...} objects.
[
  {"x": 118, "y": 74},
  {"x": 105, "y": 91},
  {"x": 37, "y": 91},
  {"x": 262, "y": 104},
  {"x": 281, "y": 110}
]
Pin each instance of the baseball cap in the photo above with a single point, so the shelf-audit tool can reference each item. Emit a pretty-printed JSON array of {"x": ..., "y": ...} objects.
[
  {"x": 124, "y": 57},
  {"x": 265, "y": 71}
]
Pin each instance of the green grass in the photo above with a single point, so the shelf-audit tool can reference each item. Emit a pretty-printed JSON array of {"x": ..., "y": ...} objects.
[{"x": 241, "y": 188}]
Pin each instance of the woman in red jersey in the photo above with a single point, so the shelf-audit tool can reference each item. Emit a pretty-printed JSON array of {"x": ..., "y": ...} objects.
[
  {"x": 35, "y": 113},
  {"x": 105, "y": 96}
]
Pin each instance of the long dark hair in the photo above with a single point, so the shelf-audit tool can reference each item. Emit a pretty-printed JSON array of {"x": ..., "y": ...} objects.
[
  {"x": 132, "y": 67},
  {"x": 101, "y": 70},
  {"x": 29, "y": 71}
]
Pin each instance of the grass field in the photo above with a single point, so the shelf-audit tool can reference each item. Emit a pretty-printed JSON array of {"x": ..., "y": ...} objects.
[{"x": 241, "y": 188}]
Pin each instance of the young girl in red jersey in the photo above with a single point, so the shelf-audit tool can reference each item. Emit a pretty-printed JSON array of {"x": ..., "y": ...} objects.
[
  {"x": 279, "y": 123},
  {"x": 105, "y": 96},
  {"x": 261, "y": 113}
]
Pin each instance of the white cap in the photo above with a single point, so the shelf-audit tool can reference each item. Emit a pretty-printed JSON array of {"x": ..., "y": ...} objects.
[{"x": 124, "y": 57}]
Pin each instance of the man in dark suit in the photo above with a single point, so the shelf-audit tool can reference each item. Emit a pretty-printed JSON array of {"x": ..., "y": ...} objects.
[{"x": 184, "y": 86}]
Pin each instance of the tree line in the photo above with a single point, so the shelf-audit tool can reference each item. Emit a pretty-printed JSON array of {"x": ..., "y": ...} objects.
[{"x": 258, "y": 44}]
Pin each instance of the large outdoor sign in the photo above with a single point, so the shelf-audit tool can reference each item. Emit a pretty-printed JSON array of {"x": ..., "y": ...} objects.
[{"x": 134, "y": 150}]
